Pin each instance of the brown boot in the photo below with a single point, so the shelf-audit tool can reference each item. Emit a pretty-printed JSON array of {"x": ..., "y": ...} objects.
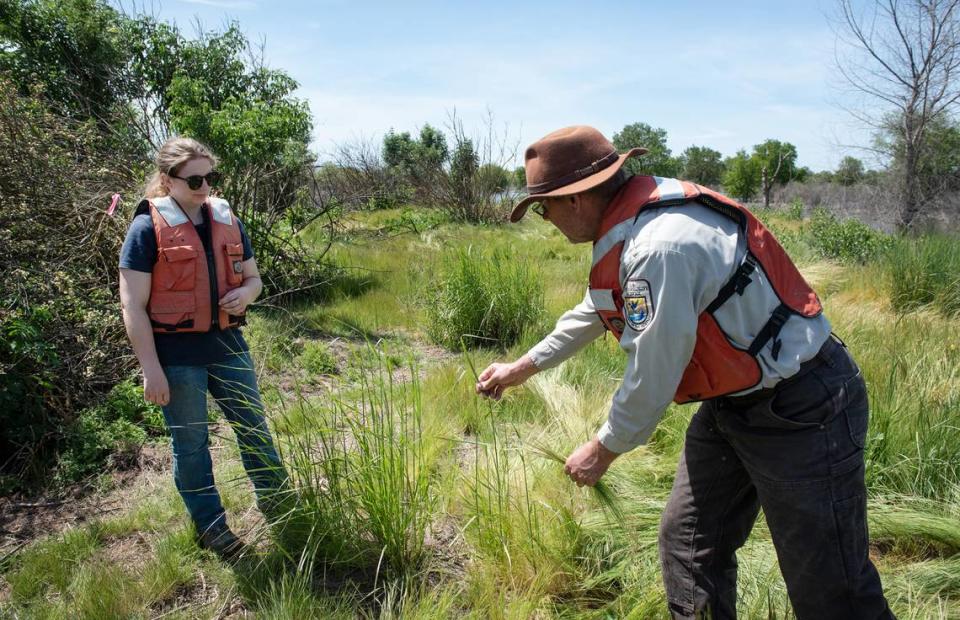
[{"x": 222, "y": 542}]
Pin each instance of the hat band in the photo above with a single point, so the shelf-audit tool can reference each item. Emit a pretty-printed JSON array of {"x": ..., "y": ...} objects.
[{"x": 574, "y": 176}]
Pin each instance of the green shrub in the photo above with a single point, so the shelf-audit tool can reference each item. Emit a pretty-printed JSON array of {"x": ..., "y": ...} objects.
[
  {"x": 849, "y": 241},
  {"x": 317, "y": 359},
  {"x": 483, "y": 299},
  {"x": 109, "y": 433},
  {"x": 794, "y": 210},
  {"x": 925, "y": 270}
]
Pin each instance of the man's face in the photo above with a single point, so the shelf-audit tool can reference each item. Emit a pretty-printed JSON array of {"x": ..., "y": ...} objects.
[{"x": 577, "y": 217}]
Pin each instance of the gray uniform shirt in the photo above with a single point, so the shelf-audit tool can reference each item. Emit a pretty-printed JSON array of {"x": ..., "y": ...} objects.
[{"x": 681, "y": 256}]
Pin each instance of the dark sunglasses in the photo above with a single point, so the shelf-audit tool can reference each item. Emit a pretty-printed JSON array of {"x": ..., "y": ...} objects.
[{"x": 195, "y": 181}]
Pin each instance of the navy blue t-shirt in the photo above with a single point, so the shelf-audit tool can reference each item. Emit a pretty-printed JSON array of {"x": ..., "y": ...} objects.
[{"x": 139, "y": 253}]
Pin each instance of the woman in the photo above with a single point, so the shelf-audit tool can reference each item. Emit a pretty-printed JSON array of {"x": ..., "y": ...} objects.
[{"x": 187, "y": 275}]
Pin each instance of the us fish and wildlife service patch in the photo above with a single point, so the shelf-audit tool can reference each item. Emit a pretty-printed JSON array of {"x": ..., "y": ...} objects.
[{"x": 637, "y": 304}]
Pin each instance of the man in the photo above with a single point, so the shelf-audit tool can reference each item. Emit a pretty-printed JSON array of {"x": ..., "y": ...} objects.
[{"x": 708, "y": 307}]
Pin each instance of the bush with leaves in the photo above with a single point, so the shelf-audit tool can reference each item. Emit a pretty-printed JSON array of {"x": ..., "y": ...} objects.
[
  {"x": 108, "y": 433},
  {"x": 849, "y": 240},
  {"x": 62, "y": 343}
]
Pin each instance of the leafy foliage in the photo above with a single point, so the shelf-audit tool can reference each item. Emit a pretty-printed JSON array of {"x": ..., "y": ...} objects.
[
  {"x": 776, "y": 164},
  {"x": 109, "y": 432},
  {"x": 658, "y": 161},
  {"x": 702, "y": 165},
  {"x": 742, "y": 177},
  {"x": 849, "y": 171},
  {"x": 849, "y": 240}
]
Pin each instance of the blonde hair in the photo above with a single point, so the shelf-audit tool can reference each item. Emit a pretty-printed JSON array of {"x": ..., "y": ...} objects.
[{"x": 174, "y": 153}]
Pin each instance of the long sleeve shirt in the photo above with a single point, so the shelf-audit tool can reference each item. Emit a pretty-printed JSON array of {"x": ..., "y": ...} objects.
[{"x": 684, "y": 255}]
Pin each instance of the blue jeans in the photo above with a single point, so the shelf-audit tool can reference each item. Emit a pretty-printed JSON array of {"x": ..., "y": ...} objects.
[{"x": 233, "y": 385}]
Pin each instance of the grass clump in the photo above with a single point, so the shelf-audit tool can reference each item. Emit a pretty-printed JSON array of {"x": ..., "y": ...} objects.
[
  {"x": 362, "y": 478},
  {"x": 483, "y": 298},
  {"x": 317, "y": 359},
  {"x": 925, "y": 270}
]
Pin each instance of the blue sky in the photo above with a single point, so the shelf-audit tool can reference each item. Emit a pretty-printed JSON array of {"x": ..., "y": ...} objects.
[{"x": 719, "y": 74}]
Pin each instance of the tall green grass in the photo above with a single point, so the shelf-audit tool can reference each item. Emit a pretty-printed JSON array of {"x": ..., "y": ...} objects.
[
  {"x": 483, "y": 298},
  {"x": 363, "y": 485},
  {"x": 925, "y": 270}
]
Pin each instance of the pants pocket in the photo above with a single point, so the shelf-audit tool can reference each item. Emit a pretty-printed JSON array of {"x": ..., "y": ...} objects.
[
  {"x": 851, "y": 521},
  {"x": 857, "y": 411}
]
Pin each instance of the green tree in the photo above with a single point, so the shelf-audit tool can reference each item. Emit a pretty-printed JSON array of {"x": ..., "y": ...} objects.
[
  {"x": 850, "y": 171},
  {"x": 702, "y": 165},
  {"x": 494, "y": 177},
  {"x": 776, "y": 163},
  {"x": 520, "y": 177},
  {"x": 464, "y": 165},
  {"x": 74, "y": 50},
  {"x": 658, "y": 161},
  {"x": 742, "y": 177}
]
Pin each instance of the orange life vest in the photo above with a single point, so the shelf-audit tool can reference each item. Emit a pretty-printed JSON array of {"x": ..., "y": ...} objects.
[
  {"x": 182, "y": 294},
  {"x": 717, "y": 367}
]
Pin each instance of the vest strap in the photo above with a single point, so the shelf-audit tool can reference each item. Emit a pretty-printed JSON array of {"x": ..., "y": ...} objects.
[
  {"x": 736, "y": 284},
  {"x": 770, "y": 331},
  {"x": 187, "y": 324}
]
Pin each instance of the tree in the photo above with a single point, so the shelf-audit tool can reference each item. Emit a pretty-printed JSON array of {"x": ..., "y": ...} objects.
[
  {"x": 850, "y": 171},
  {"x": 658, "y": 160},
  {"x": 776, "y": 163},
  {"x": 903, "y": 57},
  {"x": 74, "y": 49},
  {"x": 519, "y": 179},
  {"x": 702, "y": 165},
  {"x": 742, "y": 177},
  {"x": 938, "y": 166}
]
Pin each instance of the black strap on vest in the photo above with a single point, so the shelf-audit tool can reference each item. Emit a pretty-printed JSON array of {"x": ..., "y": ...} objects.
[
  {"x": 736, "y": 284},
  {"x": 771, "y": 330},
  {"x": 187, "y": 324}
]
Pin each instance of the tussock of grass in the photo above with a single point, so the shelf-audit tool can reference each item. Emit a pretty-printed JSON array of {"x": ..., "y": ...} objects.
[{"x": 484, "y": 298}]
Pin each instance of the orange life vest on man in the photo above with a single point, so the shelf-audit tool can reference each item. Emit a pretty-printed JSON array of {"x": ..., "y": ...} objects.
[
  {"x": 183, "y": 297},
  {"x": 717, "y": 367}
]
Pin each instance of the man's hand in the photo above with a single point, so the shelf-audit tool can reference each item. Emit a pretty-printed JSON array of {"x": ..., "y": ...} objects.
[
  {"x": 235, "y": 302},
  {"x": 498, "y": 376},
  {"x": 589, "y": 462}
]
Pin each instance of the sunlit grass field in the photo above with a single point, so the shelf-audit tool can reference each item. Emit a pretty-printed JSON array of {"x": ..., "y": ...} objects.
[{"x": 415, "y": 499}]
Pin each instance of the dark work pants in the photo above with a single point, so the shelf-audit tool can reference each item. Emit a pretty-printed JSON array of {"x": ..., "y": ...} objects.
[{"x": 797, "y": 452}]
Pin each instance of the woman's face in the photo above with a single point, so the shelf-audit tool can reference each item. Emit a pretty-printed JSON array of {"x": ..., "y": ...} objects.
[{"x": 178, "y": 189}]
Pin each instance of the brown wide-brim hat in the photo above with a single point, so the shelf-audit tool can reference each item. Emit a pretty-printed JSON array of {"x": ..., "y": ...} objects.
[{"x": 569, "y": 161}]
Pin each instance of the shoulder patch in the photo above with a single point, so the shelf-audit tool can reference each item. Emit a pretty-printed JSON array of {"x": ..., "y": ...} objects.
[{"x": 637, "y": 303}]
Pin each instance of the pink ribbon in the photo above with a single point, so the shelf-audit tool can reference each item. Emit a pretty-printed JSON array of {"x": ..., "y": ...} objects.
[{"x": 115, "y": 200}]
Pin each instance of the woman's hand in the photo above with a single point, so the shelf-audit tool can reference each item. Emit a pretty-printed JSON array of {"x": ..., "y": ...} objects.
[
  {"x": 235, "y": 302},
  {"x": 155, "y": 387}
]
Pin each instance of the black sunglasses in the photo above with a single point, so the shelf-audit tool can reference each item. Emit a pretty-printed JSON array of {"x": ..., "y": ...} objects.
[{"x": 195, "y": 181}]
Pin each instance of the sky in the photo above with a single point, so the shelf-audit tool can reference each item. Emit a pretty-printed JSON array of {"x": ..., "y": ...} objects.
[{"x": 727, "y": 75}]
